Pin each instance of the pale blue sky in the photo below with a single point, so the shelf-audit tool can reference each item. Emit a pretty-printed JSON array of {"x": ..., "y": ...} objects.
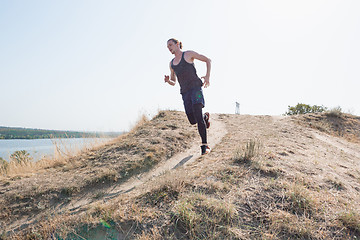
[{"x": 99, "y": 65}]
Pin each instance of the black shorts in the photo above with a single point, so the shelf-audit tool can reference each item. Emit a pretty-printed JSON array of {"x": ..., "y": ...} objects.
[{"x": 192, "y": 97}]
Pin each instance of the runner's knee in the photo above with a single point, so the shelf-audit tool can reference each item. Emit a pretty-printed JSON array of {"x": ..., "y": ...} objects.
[
  {"x": 198, "y": 113},
  {"x": 191, "y": 118}
]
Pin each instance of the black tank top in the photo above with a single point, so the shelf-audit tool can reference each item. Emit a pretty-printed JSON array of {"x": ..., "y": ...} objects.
[{"x": 186, "y": 75}]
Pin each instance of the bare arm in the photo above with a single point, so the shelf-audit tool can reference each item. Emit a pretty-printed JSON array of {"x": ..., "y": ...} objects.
[
  {"x": 172, "y": 79},
  {"x": 191, "y": 55}
]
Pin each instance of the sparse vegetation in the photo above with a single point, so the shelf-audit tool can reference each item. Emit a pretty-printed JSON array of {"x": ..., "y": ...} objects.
[
  {"x": 21, "y": 157},
  {"x": 334, "y": 112},
  {"x": 299, "y": 201},
  {"x": 351, "y": 220},
  {"x": 336, "y": 184},
  {"x": 248, "y": 152},
  {"x": 198, "y": 215},
  {"x": 103, "y": 165},
  {"x": 4, "y": 166},
  {"x": 284, "y": 224},
  {"x": 301, "y": 108},
  {"x": 21, "y": 162},
  {"x": 267, "y": 188},
  {"x": 333, "y": 122}
]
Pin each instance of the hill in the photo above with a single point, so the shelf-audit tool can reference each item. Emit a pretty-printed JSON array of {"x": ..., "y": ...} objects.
[
  {"x": 266, "y": 178},
  {"x": 31, "y": 133}
]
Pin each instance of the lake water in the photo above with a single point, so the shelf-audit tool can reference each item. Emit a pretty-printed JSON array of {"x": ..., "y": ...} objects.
[{"x": 39, "y": 148}]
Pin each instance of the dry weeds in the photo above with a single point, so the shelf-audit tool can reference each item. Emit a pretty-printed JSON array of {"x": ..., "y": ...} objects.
[
  {"x": 303, "y": 184},
  {"x": 149, "y": 143},
  {"x": 335, "y": 123}
]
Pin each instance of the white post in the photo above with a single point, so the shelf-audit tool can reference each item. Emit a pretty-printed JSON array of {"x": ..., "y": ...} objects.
[{"x": 237, "y": 109}]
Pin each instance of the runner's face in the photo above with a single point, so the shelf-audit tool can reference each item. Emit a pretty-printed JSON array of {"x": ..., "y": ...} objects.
[{"x": 172, "y": 46}]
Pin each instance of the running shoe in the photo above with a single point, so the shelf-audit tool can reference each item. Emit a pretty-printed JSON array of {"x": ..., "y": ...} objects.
[
  {"x": 205, "y": 149},
  {"x": 207, "y": 119}
]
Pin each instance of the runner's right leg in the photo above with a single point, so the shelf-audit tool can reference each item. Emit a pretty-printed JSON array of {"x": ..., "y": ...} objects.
[
  {"x": 188, "y": 105},
  {"x": 200, "y": 122}
]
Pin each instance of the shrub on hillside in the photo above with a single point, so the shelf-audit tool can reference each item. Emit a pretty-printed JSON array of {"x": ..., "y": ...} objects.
[
  {"x": 334, "y": 112},
  {"x": 249, "y": 151},
  {"x": 301, "y": 108},
  {"x": 4, "y": 165},
  {"x": 21, "y": 157}
]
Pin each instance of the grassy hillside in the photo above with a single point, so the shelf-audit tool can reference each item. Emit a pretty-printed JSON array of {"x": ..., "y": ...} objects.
[{"x": 269, "y": 178}]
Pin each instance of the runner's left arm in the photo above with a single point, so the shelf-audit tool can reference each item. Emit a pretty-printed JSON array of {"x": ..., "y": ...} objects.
[{"x": 194, "y": 55}]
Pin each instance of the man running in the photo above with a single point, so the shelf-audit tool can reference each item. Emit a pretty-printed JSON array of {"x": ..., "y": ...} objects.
[{"x": 182, "y": 68}]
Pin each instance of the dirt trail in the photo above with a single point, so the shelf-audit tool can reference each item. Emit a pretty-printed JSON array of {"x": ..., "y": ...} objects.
[
  {"x": 343, "y": 145},
  {"x": 216, "y": 132}
]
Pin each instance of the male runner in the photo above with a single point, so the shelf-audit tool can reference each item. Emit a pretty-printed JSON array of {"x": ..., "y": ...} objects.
[{"x": 182, "y": 68}]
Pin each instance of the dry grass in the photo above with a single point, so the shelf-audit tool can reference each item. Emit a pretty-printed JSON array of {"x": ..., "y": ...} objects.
[
  {"x": 351, "y": 220},
  {"x": 334, "y": 112},
  {"x": 276, "y": 193},
  {"x": 283, "y": 223},
  {"x": 63, "y": 154},
  {"x": 298, "y": 201},
  {"x": 248, "y": 152},
  {"x": 197, "y": 214},
  {"x": 333, "y": 122},
  {"x": 56, "y": 183}
]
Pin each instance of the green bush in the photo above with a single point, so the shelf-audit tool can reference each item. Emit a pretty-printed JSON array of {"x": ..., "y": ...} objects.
[
  {"x": 21, "y": 157},
  {"x": 4, "y": 165},
  {"x": 301, "y": 108}
]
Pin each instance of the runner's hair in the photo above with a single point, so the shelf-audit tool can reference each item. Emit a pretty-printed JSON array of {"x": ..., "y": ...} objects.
[{"x": 176, "y": 42}]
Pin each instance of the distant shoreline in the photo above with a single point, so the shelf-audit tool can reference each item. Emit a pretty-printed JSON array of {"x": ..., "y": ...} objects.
[{"x": 9, "y": 133}]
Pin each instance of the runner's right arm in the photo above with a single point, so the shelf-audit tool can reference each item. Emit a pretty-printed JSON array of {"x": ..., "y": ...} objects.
[{"x": 172, "y": 79}]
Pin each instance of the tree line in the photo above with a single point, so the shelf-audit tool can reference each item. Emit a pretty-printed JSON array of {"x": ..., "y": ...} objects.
[{"x": 29, "y": 133}]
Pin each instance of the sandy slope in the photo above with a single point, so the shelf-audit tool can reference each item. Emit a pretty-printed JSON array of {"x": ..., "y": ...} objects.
[
  {"x": 77, "y": 203},
  {"x": 215, "y": 134},
  {"x": 330, "y": 165},
  {"x": 293, "y": 161}
]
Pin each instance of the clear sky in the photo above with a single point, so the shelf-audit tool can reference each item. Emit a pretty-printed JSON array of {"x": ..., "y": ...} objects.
[{"x": 99, "y": 65}]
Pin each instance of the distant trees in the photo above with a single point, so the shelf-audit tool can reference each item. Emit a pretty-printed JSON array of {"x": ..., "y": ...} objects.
[
  {"x": 301, "y": 108},
  {"x": 25, "y": 133},
  {"x": 29, "y": 133}
]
